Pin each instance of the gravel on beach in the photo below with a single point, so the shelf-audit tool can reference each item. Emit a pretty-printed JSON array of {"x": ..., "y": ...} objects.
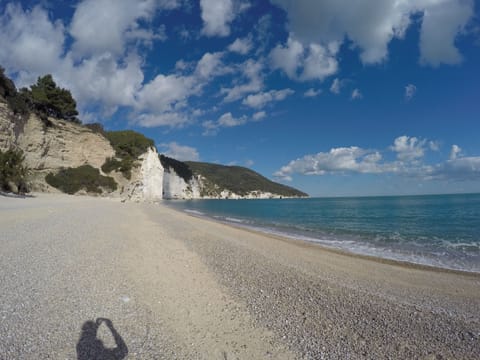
[{"x": 179, "y": 287}]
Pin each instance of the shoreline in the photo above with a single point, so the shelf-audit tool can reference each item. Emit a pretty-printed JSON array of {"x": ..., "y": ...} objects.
[
  {"x": 182, "y": 287},
  {"x": 306, "y": 242}
]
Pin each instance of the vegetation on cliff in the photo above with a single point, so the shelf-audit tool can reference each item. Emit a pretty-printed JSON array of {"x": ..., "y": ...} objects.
[
  {"x": 240, "y": 180},
  {"x": 216, "y": 178},
  {"x": 180, "y": 168},
  {"x": 128, "y": 146},
  {"x": 86, "y": 177},
  {"x": 44, "y": 98},
  {"x": 13, "y": 172}
]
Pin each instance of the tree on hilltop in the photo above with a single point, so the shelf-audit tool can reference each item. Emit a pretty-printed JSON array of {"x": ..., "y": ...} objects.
[{"x": 52, "y": 100}]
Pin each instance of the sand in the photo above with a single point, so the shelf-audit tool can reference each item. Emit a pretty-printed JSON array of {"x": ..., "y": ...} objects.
[{"x": 179, "y": 287}]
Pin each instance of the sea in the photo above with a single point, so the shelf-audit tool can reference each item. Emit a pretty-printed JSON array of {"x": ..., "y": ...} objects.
[{"x": 435, "y": 230}]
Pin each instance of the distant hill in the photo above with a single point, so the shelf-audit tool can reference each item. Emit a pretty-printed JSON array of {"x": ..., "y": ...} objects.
[{"x": 240, "y": 180}]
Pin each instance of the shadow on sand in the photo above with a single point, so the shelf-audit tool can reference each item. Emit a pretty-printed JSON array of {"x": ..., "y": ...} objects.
[
  {"x": 16, "y": 196},
  {"x": 89, "y": 347}
]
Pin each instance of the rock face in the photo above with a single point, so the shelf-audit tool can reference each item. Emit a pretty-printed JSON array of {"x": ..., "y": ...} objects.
[
  {"x": 147, "y": 179},
  {"x": 175, "y": 187},
  {"x": 61, "y": 144},
  {"x": 54, "y": 144},
  {"x": 7, "y": 135}
]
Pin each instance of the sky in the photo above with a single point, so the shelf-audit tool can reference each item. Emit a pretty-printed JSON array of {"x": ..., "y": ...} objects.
[{"x": 334, "y": 97}]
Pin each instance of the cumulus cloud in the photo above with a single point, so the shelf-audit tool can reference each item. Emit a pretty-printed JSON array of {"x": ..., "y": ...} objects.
[
  {"x": 211, "y": 65},
  {"x": 410, "y": 91},
  {"x": 356, "y": 94},
  {"x": 337, "y": 160},
  {"x": 261, "y": 99},
  {"x": 180, "y": 152},
  {"x": 299, "y": 62},
  {"x": 312, "y": 92},
  {"x": 31, "y": 43},
  {"x": 217, "y": 16},
  {"x": 227, "y": 120},
  {"x": 166, "y": 118},
  {"x": 409, "y": 162},
  {"x": 336, "y": 86},
  {"x": 372, "y": 24},
  {"x": 100, "y": 26},
  {"x": 259, "y": 115},
  {"x": 241, "y": 46},
  {"x": 409, "y": 148},
  {"x": 251, "y": 72},
  {"x": 460, "y": 169},
  {"x": 456, "y": 150},
  {"x": 103, "y": 64}
]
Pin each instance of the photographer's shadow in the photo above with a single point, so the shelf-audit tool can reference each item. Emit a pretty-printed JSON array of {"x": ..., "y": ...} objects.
[{"x": 89, "y": 347}]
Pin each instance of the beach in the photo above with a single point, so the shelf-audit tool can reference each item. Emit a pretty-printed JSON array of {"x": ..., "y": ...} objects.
[{"x": 176, "y": 286}]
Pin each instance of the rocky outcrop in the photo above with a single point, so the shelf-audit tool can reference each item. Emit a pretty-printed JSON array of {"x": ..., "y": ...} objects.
[
  {"x": 147, "y": 179},
  {"x": 175, "y": 187},
  {"x": 7, "y": 134},
  {"x": 61, "y": 144},
  {"x": 52, "y": 144}
]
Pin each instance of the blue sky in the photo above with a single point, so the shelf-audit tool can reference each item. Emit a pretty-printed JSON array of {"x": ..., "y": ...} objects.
[{"x": 372, "y": 97}]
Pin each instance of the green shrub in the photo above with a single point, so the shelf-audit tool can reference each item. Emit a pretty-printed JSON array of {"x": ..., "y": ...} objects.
[
  {"x": 123, "y": 165},
  {"x": 13, "y": 172},
  {"x": 96, "y": 128},
  {"x": 128, "y": 143},
  {"x": 85, "y": 177},
  {"x": 128, "y": 146}
]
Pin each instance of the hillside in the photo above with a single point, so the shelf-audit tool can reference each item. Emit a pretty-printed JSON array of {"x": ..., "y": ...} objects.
[
  {"x": 240, "y": 180},
  {"x": 54, "y": 150}
]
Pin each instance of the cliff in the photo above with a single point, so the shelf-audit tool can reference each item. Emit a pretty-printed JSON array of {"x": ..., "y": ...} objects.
[{"x": 127, "y": 159}]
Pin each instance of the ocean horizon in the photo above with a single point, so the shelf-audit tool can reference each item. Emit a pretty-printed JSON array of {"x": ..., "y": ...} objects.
[{"x": 440, "y": 230}]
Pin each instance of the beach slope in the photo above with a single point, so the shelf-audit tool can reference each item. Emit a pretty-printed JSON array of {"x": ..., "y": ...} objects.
[{"x": 179, "y": 287}]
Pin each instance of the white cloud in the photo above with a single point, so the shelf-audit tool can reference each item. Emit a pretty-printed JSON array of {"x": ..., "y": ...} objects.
[
  {"x": 356, "y": 94},
  {"x": 259, "y": 115},
  {"x": 410, "y": 91},
  {"x": 211, "y": 65},
  {"x": 261, "y": 99},
  {"x": 312, "y": 92},
  {"x": 227, "y": 120},
  {"x": 249, "y": 163},
  {"x": 165, "y": 92},
  {"x": 104, "y": 26},
  {"x": 252, "y": 72},
  {"x": 455, "y": 152},
  {"x": 217, "y": 16},
  {"x": 409, "y": 148},
  {"x": 337, "y": 160},
  {"x": 459, "y": 169},
  {"x": 180, "y": 152},
  {"x": 442, "y": 22},
  {"x": 336, "y": 86},
  {"x": 372, "y": 24},
  {"x": 410, "y": 153},
  {"x": 241, "y": 46},
  {"x": 313, "y": 62},
  {"x": 31, "y": 44},
  {"x": 166, "y": 118},
  {"x": 434, "y": 145}
]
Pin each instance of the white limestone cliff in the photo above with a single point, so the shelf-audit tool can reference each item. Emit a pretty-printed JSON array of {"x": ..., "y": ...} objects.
[
  {"x": 175, "y": 187},
  {"x": 147, "y": 182}
]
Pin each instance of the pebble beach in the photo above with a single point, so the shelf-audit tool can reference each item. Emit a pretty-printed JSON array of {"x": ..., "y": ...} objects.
[{"x": 174, "y": 286}]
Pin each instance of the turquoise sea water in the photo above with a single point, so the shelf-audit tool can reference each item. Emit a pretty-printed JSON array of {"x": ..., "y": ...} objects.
[{"x": 438, "y": 230}]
